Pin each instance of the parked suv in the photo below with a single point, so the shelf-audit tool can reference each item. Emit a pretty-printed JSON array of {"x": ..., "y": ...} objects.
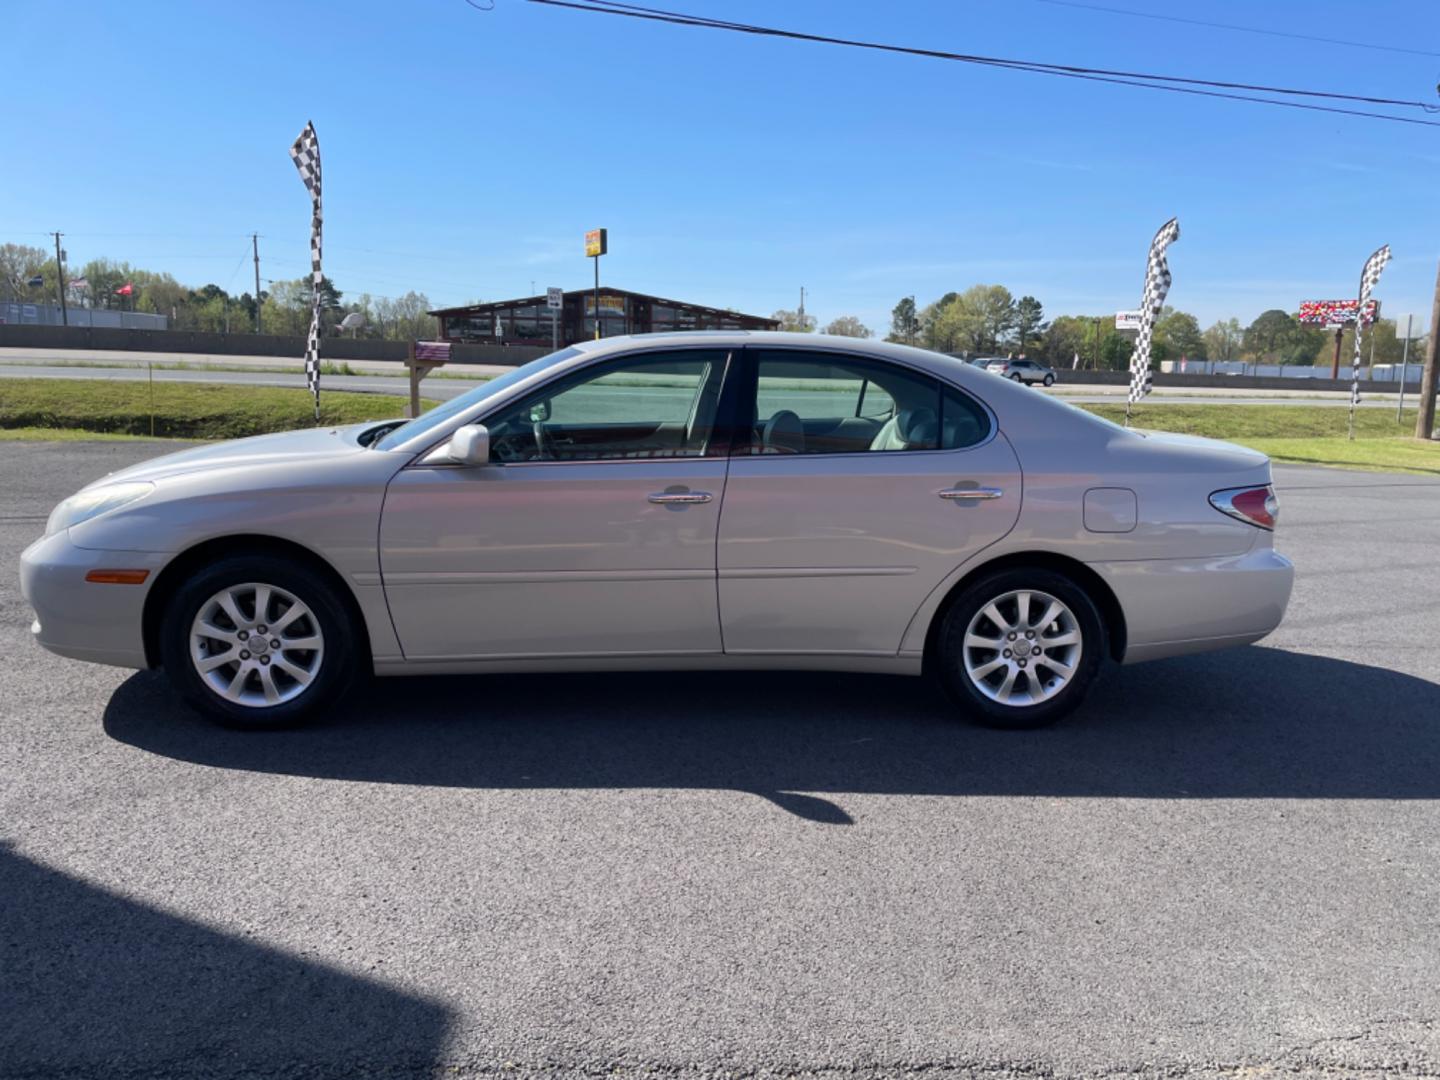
[{"x": 1022, "y": 370}]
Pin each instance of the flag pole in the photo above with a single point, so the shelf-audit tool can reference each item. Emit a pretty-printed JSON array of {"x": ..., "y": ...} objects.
[
  {"x": 1369, "y": 276},
  {"x": 1152, "y": 300},
  {"x": 306, "y": 155}
]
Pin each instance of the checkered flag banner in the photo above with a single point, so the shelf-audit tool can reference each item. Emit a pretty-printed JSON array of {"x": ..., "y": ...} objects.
[
  {"x": 1157, "y": 287},
  {"x": 306, "y": 155},
  {"x": 1368, "y": 279}
]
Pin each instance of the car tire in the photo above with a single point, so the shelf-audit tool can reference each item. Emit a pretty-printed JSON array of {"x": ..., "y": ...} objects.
[
  {"x": 259, "y": 669},
  {"x": 1009, "y": 686},
  {"x": 1049, "y": 380},
  {"x": 1018, "y": 377}
]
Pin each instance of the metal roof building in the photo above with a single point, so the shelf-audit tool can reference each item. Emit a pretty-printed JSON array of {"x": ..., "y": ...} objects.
[{"x": 528, "y": 321}]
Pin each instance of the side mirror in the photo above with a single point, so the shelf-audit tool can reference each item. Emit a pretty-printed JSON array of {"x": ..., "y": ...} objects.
[
  {"x": 540, "y": 411},
  {"x": 471, "y": 445}
]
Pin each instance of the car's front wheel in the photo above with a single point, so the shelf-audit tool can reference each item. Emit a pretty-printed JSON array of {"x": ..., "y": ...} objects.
[
  {"x": 1019, "y": 648},
  {"x": 1018, "y": 377},
  {"x": 255, "y": 642},
  {"x": 1049, "y": 380}
]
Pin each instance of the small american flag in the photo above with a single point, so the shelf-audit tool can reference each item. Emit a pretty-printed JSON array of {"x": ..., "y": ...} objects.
[
  {"x": 306, "y": 155},
  {"x": 1369, "y": 277},
  {"x": 432, "y": 350},
  {"x": 1157, "y": 287}
]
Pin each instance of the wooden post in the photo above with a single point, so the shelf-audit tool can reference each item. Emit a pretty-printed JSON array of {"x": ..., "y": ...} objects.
[
  {"x": 414, "y": 408},
  {"x": 418, "y": 369}
]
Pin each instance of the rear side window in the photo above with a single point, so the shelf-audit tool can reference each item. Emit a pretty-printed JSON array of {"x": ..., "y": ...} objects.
[{"x": 824, "y": 403}]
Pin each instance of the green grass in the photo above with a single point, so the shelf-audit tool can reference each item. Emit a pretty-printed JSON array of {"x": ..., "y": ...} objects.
[
  {"x": 1410, "y": 455},
  {"x": 1300, "y": 434},
  {"x": 181, "y": 410},
  {"x": 1241, "y": 422},
  {"x": 41, "y": 434},
  {"x": 66, "y": 409}
]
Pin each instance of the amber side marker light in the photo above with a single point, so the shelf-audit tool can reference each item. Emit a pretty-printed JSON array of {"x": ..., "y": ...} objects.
[{"x": 117, "y": 577}]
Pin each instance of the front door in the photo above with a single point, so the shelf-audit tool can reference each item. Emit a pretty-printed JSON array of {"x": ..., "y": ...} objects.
[
  {"x": 591, "y": 532},
  {"x": 863, "y": 485}
]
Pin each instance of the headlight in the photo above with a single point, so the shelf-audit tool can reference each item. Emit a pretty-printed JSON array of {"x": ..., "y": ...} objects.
[{"x": 93, "y": 503}]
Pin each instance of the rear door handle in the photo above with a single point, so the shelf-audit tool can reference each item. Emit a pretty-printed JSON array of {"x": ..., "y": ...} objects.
[
  {"x": 670, "y": 498},
  {"x": 970, "y": 494}
]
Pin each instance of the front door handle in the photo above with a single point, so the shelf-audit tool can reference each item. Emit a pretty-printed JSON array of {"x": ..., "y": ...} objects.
[
  {"x": 969, "y": 494},
  {"x": 671, "y": 498}
]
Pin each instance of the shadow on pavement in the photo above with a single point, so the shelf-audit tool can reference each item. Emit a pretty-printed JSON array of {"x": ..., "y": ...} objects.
[
  {"x": 1248, "y": 723},
  {"x": 95, "y": 984}
]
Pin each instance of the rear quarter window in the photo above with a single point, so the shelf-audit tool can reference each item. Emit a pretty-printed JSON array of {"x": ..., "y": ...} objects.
[{"x": 963, "y": 420}]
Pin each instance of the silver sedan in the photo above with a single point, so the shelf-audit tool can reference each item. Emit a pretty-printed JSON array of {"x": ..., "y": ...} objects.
[{"x": 731, "y": 501}]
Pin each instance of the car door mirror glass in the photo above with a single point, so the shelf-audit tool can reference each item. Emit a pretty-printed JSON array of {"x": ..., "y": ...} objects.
[{"x": 540, "y": 411}]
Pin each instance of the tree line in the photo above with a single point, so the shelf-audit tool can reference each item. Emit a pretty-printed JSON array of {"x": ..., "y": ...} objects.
[
  {"x": 986, "y": 320},
  {"x": 284, "y": 307}
]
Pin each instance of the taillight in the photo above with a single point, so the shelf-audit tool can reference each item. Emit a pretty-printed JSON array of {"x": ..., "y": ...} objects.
[{"x": 1252, "y": 505}]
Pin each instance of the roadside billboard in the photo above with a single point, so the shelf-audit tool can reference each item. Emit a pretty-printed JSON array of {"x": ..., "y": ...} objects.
[{"x": 1336, "y": 312}]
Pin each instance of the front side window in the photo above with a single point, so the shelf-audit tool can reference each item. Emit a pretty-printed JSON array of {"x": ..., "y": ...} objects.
[
  {"x": 820, "y": 403},
  {"x": 660, "y": 405}
]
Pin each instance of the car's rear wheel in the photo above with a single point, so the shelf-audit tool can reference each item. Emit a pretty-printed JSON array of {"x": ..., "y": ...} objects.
[
  {"x": 255, "y": 642},
  {"x": 1019, "y": 648}
]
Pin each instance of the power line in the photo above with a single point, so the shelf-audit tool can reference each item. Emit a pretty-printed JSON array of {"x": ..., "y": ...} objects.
[
  {"x": 1217, "y": 88},
  {"x": 1236, "y": 27}
]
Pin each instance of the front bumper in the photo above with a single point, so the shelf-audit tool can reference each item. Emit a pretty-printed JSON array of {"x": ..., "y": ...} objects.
[
  {"x": 1178, "y": 606},
  {"x": 80, "y": 619}
]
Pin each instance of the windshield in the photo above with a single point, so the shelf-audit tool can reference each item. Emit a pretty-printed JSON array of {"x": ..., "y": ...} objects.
[{"x": 455, "y": 406}]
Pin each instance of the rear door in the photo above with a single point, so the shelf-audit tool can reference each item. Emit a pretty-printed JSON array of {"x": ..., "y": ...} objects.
[{"x": 859, "y": 485}]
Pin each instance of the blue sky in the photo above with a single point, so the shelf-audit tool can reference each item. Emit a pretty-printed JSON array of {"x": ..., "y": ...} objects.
[{"x": 466, "y": 152}]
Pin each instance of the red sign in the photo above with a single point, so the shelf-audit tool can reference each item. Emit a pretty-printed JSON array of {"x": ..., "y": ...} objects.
[{"x": 1331, "y": 312}]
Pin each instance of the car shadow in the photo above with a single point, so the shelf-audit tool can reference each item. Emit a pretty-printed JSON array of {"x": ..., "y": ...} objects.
[
  {"x": 1248, "y": 723},
  {"x": 96, "y": 984}
]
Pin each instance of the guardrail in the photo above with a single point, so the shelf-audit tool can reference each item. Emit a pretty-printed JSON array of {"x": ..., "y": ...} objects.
[
  {"x": 182, "y": 342},
  {"x": 1234, "y": 382}
]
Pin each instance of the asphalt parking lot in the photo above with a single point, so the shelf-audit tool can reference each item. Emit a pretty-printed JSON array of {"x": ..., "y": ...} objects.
[{"x": 1223, "y": 865}]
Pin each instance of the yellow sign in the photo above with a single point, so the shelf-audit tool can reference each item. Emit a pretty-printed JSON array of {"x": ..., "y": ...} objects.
[
  {"x": 596, "y": 242},
  {"x": 609, "y": 305}
]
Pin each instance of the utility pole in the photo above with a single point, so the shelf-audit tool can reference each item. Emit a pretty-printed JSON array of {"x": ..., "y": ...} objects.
[
  {"x": 255, "y": 247},
  {"x": 910, "y": 323},
  {"x": 801, "y": 316},
  {"x": 1425, "y": 422},
  {"x": 60, "y": 278},
  {"x": 1096, "y": 364}
]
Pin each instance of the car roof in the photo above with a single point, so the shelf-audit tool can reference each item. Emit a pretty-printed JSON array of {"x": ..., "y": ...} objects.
[{"x": 934, "y": 361}]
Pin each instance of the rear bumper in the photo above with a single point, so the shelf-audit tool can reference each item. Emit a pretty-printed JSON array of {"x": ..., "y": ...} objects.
[
  {"x": 80, "y": 619},
  {"x": 1178, "y": 606}
]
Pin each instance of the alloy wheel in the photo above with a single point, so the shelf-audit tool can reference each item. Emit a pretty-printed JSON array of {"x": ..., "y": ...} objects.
[
  {"x": 1022, "y": 648},
  {"x": 256, "y": 645}
]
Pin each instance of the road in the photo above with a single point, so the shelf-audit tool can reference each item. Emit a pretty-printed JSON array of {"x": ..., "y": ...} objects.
[
  {"x": 383, "y": 377},
  {"x": 1223, "y": 865}
]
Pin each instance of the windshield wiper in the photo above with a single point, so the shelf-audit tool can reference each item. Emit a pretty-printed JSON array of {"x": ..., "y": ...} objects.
[{"x": 370, "y": 435}]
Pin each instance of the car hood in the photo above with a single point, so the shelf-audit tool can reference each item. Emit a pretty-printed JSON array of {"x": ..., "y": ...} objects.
[{"x": 309, "y": 445}]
